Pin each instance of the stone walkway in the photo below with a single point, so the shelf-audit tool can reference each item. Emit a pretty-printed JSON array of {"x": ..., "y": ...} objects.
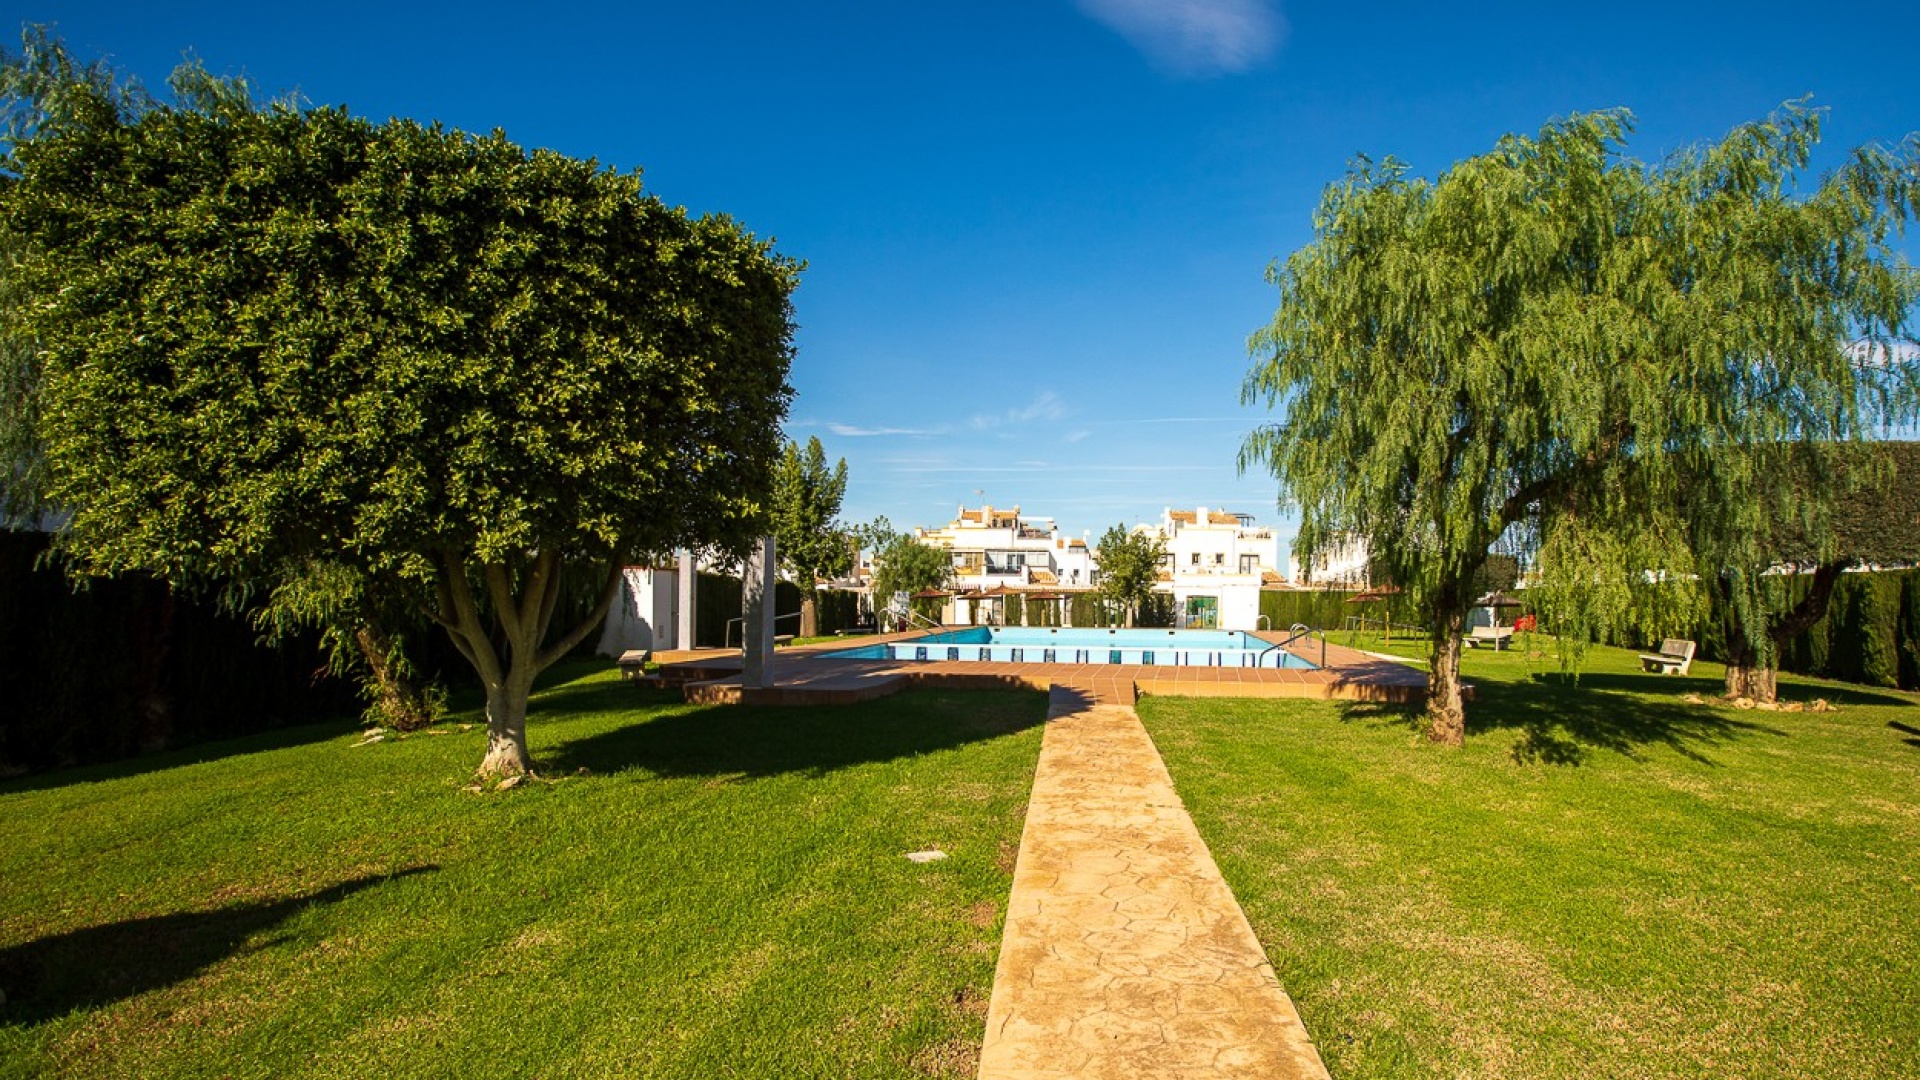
[{"x": 1125, "y": 954}]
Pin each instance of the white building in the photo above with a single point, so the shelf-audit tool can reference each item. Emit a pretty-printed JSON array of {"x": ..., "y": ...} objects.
[
  {"x": 1341, "y": 564},
  {"x": 1005, "y": 552},
  {"x": 1217, "y": 562},
  {"x": 994, "y": 546}
]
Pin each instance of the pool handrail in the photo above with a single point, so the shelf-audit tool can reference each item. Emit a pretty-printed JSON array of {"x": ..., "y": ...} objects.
[{"x": 1295, "y": 633}]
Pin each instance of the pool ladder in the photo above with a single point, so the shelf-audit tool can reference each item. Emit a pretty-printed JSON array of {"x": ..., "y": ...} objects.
[{"x": 1295, "y": 633}]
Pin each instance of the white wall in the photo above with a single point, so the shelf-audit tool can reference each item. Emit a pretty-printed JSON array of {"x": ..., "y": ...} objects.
[{"x": 644, "y": 615}]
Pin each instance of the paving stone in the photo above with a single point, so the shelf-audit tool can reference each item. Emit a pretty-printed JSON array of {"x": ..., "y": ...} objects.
[{"x": 1125, "y": 954}]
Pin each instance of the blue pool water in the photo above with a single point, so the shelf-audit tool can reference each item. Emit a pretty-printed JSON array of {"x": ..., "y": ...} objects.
[{"x": 1074, "y": 645}]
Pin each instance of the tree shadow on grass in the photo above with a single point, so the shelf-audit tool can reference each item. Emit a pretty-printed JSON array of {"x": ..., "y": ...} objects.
[
  {"x": 191, "y": 754},
  {"x": 99, "y": 965},
  {"x": 1912, "y": 733},
  {"x": 1836, "y": 693},
  {"x": 1561, "y": 722},
  {"x": 757, "y": 741}
]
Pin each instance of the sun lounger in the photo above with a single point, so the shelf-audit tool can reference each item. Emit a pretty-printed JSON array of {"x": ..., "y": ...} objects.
[{"x": 1497, "y": 636}]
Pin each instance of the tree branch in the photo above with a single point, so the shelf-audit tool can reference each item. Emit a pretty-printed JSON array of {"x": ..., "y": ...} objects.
[
  {"x": 573, "y": 637},
  {"x": 544, "y": 575},
  {"x": 468, "y": 634},
  {"x": 1811, "y": 608},
  {"x": 500, "y": 590},
  {"x": 549, "y": 600}
]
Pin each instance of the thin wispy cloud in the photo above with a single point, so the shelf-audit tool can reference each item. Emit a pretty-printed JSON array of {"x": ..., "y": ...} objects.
[
  {"x": 852, "y": 432},
  {"x": 1075, "y": 436},
  {"x": 1045, "y": 406},
  {"x": 1194, "y": 37}
]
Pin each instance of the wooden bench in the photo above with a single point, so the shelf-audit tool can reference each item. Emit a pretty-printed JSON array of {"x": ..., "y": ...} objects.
[{"x": 1674, "y": 658}]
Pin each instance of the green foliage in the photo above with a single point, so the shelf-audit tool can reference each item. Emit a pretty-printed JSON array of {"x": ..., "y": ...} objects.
[
  {"x": 272, "y": 336},
  {"x": 905, "y": 565},
  {"x": 1591, "y": 586},
  {"x": 1541, "y": 342},
  {"x": 1088, "y": 609},
  {"x": 1329, "y": 609},
  {"x": 806, "y": 505},
  {"x": 1130, "y": 563},
  {"x": 1157, "y": 610},
  {"x": 42, "y": 90},
  {"x": 1907, "y": 632}
]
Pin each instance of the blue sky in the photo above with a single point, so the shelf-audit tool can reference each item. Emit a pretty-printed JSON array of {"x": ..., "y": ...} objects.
[{"x": 1036, "y": 230}]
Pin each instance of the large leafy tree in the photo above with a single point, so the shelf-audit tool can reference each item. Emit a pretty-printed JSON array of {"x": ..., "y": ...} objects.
[
  {"x": 1548, "y": 339},
  {"x": 901, "y": 563},
  {"x": 366, "y": 632},
  {"x": 279, "y": 343},
  {"x": 1130, "y": 563},
  {"x": 807, "y": 532}
]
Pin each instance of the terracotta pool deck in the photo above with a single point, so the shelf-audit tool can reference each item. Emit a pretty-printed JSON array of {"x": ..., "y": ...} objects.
[{"x": 803, "y": 675}]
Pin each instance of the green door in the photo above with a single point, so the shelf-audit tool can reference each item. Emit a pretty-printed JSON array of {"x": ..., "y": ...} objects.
[{"x": 1203, "y": 612}]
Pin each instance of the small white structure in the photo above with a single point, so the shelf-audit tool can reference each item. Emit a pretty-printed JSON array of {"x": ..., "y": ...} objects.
[{"x": 648, "y": 615}]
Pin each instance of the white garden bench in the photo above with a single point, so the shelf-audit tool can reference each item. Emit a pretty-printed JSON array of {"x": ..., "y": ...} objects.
[{"x": 1674, "y": 658}]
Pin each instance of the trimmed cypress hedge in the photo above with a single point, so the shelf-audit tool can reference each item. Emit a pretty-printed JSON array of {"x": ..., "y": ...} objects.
[
  {"x": 1328, "y": 609},
  {"x": 1870, "y": 635},
  {"x": 127, "y": 666}
]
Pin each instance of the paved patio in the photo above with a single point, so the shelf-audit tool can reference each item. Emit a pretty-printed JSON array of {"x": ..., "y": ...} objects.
[{"x": 805, "y": 676}]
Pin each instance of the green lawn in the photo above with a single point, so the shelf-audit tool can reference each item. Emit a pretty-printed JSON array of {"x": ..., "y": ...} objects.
[
  {"x": 706, "y": 893},
  {"x": 1607, "y": 881}
]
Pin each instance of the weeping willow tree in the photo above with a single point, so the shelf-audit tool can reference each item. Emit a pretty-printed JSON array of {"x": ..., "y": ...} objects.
[{"x": 1604, "y": 357}]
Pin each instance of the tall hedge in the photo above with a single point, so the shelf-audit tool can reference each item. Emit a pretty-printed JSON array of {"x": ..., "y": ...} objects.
[
  {"x": 1327, "y": 609},
  {"x": 1870, "y": 635},
  {"x": 128, "y": 666}
]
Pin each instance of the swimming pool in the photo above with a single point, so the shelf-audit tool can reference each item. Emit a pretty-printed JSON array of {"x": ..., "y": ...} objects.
[{"x": 1077, "y": 645}]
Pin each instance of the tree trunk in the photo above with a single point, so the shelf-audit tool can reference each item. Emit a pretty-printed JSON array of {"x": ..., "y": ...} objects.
[
  {"x": 1446, "y": 713},
  {"x": 507, "y": 753},
  {"x": 1756, "y": 682},
  {"x": 520, "y": 611},
  {"x": 1747, "y": 676},
  {"x": 809, "y": 614},
  {"x": 394, "y": 698}
]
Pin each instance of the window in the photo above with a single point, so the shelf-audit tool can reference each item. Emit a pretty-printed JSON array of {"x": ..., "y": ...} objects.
[
  {"x": 1196, "y": 558},
  {"x": 1219, "y": 558},
  {"x": 1249, "y": 564},
  {"x": 1006, "y": 562}
]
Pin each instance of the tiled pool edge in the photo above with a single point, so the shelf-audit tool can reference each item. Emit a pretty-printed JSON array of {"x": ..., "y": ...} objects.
[{"x": 801, "y": 676}]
